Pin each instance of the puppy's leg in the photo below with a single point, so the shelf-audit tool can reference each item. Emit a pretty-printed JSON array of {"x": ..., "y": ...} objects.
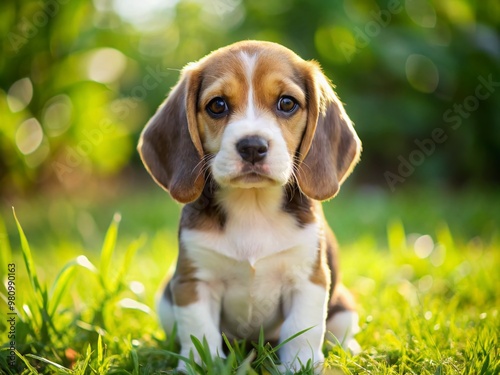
[
  {"x": 199, "y": 319},
  {"x": 343, "y": 320},
  {"x": 306, "y": 310}
]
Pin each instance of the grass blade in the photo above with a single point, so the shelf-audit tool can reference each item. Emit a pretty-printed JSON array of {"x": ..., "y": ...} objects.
[
  {"x": 444, "y": 236},
  {"x": 261, "y": 337},
  {"x": 28, "y": 258},
  {"x": 81, "y": 367},
  {"x": 84, "y": 262},
  {"x": 129, "y": 303},
  {"x": 277, "y": 347},
  {"x": 5, "y": 249},
  {"x": 135, "y": 360},
  {"x": 246, "y": 365},
  {"x": 49, "y": 362},
  {"x": 264, "y": 353},
  {"x": 100, "y": 351},
  {"x": 108, "y": 249},
  {"x": 60, "y": 284},
  {"x": 200, "y": 348},
  {"x": 396, "y": 237},
  {"x": 31, "y": 369},
  {"x": 129, "y": 256},
  {"x": 228, "y": 344},
  {"x": 41, "y": 294},
  {"x": 188, "y": 361}
]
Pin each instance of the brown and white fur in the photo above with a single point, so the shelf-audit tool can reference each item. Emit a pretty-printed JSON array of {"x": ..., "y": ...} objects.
[{"x": 251, "y": 139}]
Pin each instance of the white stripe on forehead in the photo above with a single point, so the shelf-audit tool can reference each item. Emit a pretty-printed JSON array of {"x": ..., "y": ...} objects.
[{"x": 249, "y": 62}]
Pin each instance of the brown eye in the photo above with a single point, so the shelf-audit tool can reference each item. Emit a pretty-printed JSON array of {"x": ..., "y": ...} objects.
[
  {"x": 217, "y": 107},
  {"x": 287, "y": 104}
]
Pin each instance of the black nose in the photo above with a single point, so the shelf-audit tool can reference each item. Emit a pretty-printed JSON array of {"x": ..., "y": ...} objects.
[{"x": 252, "y": 149}]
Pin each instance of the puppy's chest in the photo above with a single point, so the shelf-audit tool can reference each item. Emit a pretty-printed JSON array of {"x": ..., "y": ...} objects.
[{"x": 251, "y": 234}]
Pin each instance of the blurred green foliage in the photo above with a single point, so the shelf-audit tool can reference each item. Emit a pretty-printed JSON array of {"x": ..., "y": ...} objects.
[{"x": 79, "y": 79}]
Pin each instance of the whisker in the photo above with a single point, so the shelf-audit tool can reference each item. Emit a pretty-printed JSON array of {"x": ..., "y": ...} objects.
[
  {"x": 302, "y": 165},
  {"x": 205, "y": 165},
  {"x": 197, "y": 169},
  {"x": 294, "y": 175}
]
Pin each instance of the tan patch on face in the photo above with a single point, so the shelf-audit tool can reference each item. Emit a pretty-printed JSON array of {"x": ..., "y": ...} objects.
[
  {"x": 221, "y": 77},
  {"x": 184, "y": 283}
]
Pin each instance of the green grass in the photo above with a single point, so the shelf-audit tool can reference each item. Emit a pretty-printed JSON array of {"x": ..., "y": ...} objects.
[{"x": 424, "y": 267}]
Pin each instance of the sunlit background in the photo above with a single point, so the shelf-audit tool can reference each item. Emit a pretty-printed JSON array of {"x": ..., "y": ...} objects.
[{"x": 80, "y": 79}]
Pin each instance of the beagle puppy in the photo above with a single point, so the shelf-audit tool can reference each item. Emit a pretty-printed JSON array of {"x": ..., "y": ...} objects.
[{"x": 251, "y": 139}]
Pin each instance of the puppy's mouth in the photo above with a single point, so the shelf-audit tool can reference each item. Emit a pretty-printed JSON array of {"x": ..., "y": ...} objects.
[{"x": 252, "y": 176}]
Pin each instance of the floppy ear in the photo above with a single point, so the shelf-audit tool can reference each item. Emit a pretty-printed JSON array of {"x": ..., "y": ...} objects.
[
  {"x": 330, "y": 147},
  {"x": 170, "y": 145}
]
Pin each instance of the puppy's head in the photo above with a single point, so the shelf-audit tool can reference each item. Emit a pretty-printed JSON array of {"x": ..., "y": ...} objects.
[{"x": 252, "y": 114}]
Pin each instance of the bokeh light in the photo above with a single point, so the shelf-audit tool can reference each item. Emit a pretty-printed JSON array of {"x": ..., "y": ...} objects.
[{"x": 422, "y": 73}]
